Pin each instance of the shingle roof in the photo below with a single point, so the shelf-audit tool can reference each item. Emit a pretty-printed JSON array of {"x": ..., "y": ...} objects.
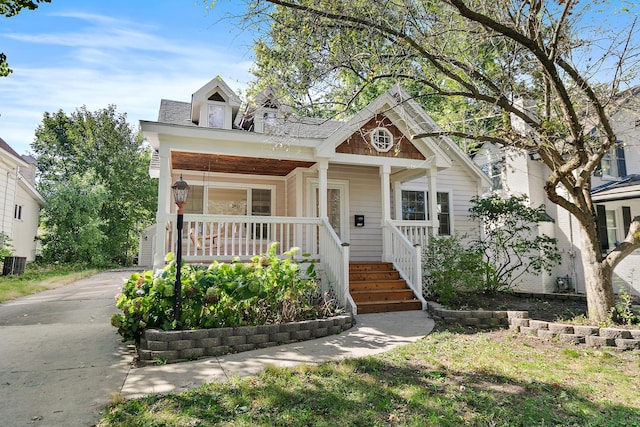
[
  {"x": 626, "y": 188},
  {"x": 6, "y": 147},
  {"x": 175, "y": 112}
]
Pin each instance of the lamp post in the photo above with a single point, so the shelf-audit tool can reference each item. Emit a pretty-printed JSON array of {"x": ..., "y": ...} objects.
[{"x": 180, "y": 192}]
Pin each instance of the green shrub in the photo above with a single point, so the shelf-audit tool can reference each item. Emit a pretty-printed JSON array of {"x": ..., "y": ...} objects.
[
  {"x": 267, "y": 290},
  {"x": 450, "y": 269},
  {"x": 6, "y": 246},
  {"x": 622, "y": 313}
]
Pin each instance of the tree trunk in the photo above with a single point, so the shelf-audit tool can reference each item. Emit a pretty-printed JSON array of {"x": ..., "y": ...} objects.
[{"x": 598, "y": 276}]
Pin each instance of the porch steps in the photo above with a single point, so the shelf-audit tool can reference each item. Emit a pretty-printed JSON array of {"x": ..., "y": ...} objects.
[{"x": 377, "y": 288}]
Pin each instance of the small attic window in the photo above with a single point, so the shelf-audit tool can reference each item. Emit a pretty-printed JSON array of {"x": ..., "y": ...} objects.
[
  {"x": 269, "y": 103},
  {"x": 382, "y": 140},
  {"x": 217, "y": 97}
]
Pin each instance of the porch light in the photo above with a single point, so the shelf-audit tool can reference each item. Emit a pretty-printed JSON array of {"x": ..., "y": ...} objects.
[{"x": 180, "y": 193}]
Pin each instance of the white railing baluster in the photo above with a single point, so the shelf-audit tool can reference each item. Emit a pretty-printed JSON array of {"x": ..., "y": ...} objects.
[{"x": 406, "y": 258}]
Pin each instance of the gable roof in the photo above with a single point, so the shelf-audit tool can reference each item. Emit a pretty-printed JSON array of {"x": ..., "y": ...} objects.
[{"x": 16, "y": 157}]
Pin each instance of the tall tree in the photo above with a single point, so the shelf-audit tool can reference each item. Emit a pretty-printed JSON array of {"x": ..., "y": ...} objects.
[
  {"x": 9, "y": 8},
  {"x": 72, "y": 220},
  {"x": 103, "y": 144},
  {"x": 564, "y": 55}
]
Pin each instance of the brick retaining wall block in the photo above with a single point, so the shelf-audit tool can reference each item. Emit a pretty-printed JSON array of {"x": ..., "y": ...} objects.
[
  {"x": 593, "y": 336},
  {"x": 173, "y": 346}
]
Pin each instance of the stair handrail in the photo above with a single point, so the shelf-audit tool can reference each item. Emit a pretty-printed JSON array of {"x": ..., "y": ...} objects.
[
  {"x": 407, "y": 260},
  {"x": 334, "y": 255}
]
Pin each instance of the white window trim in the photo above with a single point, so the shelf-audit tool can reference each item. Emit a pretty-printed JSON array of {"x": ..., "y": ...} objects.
[
  {"x": 17, "y": 212},
  {"x": 451, "y": 211},
  {"x": 376, "y": 145},
  {"x": 247, "y": 187},
  {"x": 426, "y": 202}
]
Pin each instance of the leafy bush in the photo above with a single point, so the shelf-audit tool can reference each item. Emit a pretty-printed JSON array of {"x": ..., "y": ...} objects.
[
  {"x": 511, "y": 244},
  {"x": 6, "y": 246},
  {"x": 622, "y": 313},
  {"x": 267, "y": 290},
  {"x": 450, "y": 269}
]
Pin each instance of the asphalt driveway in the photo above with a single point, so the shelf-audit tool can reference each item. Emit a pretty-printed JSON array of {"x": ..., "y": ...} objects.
[{"x": 60, "y": 359}]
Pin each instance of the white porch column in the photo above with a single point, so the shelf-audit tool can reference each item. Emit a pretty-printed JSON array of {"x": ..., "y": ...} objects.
[
  {"x": 385, "y": 171},
  {"x": 433, "y": 200},
  {"x": 162, "y": 213},
  {"x": 323, "y": 166}
]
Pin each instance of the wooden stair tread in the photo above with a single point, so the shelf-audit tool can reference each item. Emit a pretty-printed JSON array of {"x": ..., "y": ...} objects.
[{"x": 376, "y": 287}]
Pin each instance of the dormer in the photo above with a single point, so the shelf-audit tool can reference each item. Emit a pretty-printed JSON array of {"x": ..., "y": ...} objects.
[
  {"x": 268, "y": 112},
  {"x": 214, "y": 105}
]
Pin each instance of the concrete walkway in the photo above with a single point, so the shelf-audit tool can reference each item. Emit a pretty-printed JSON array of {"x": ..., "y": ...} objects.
[
  {"x": 61, "y": 361},
  {"x": 373, "y": 333}
]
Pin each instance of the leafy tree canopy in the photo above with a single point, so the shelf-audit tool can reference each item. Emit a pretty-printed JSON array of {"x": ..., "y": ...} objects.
[
  {"x": 535, "y": 70},
  {"x": 100, "y": 144}
]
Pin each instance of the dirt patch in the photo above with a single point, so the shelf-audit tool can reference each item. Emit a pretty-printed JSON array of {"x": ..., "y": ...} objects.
[{"x": 539, "y": 308}]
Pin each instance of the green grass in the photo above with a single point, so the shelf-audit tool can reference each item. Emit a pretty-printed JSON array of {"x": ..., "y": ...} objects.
[
  {"x": 447, "y": 379},
  {"x": 40, "y": 278}
]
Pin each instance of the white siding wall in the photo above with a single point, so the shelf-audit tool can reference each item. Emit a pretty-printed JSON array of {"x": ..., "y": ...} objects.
[
  {"x": 8, "y": 186},
  {"x": 366, "y": 199},
  {"x": 26, "y": 229}
]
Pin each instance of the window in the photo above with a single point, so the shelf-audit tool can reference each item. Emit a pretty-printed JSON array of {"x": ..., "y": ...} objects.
[
  {"x": 17, "y": 212},
  {"x": 444, "y": 213},
  {"x": 234, "y": 201},
  {"x": 612, "y": 237},
  {"x": 195, "y": 200},
  {"x": 494, "y": 171},
  {"x": 613, "y": 162},
  {"x": 414, "y": 205},
  {"x": 215, "y": 116},
  {"x": 609, "y": 227},
  {"x": 381, "y": 139}
]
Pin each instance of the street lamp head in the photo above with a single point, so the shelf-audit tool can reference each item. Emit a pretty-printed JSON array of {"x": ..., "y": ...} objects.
[{"x": 180, "y": 192}]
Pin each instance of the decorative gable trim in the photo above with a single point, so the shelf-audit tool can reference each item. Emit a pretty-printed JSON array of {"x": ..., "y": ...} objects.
[{"x": 359, "y": 142}]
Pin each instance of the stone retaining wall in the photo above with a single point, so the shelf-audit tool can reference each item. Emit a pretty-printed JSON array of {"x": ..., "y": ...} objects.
[
  {"x": 593, "y": 336},
  {"x": 175, "y": 346}
]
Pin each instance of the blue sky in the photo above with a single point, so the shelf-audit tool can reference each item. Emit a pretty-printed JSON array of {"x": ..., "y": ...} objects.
[{"x": 130, "y": 53}]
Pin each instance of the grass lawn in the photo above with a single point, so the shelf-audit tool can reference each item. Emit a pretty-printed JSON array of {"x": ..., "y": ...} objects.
[
  {"x": 37, "y": 279},
  {"x": 450, "y": 378}
]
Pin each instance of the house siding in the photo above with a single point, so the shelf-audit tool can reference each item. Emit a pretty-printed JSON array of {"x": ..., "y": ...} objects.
[
  {"x": 8, "y": 194},
  {"x": 25, "y": 229},
  {"x": 365, "y": 199}
]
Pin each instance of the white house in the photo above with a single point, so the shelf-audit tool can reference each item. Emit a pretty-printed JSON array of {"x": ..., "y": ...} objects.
[
  {"x": 352, "y": 194},
  {"x": 615, "y": 191},
  {"x": 21, "y": 202}
]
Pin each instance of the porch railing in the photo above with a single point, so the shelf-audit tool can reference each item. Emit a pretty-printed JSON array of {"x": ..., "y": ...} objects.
[
  {"x": 407, "y": 259},
  {"x": 417, "y": 232},
  {"x": 334, "y": 256},
  {"x": 227, "y": 236}
]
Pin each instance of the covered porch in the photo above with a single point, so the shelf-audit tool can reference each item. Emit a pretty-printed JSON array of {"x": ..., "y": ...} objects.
[{"x": 240, "y": 214}]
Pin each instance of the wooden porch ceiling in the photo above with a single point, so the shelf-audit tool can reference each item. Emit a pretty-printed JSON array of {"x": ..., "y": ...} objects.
[{"x": 234, "y": 164}]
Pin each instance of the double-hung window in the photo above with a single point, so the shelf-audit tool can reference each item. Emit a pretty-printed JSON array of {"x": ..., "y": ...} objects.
[{"x": 414, "y": 205}]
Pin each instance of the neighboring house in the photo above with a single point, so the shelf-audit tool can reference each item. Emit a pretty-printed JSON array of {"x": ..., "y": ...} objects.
[
  {"x": 20, "y": 200},
  {"x": 615, "y": 191},
  {"x": 356, "y": 191}
]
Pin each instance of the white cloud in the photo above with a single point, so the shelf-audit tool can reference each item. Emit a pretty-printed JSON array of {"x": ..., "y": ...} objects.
[{"x": 108, "y": 61}]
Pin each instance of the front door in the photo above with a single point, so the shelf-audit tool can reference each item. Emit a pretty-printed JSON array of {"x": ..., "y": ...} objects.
[{"x": 337, "y": 206}]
